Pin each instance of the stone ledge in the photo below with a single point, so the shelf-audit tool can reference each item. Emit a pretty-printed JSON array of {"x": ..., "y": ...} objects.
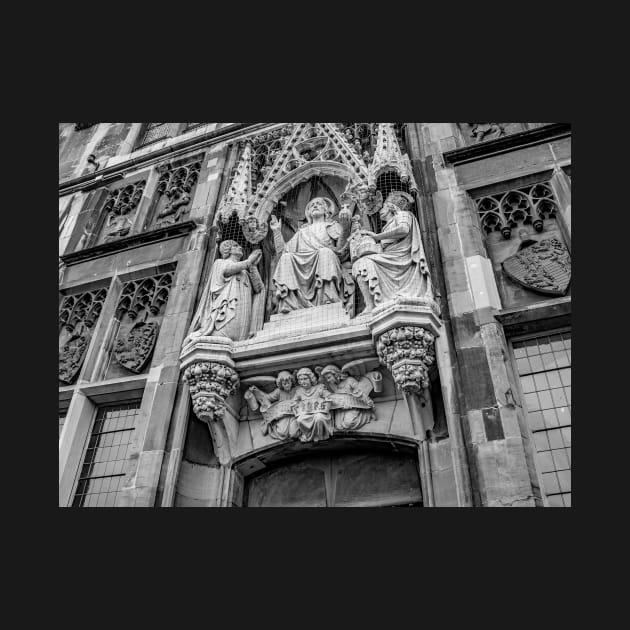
[
  {"x": 507, "y": 143},
  {"x": 530, "y": 319},
  {"x": 129, "y": 242}
]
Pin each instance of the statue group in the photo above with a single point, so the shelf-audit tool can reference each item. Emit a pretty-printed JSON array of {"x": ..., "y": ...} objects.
[
  {"x": 310, "y": 407},
  {"x": 318, "y": 265}
]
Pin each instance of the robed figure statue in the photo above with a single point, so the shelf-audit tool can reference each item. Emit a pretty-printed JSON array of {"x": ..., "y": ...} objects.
[
  {"x": 226, "y": 304},
  {"x": 309, "y": 272},
  {"x": 400, "y": 268}
]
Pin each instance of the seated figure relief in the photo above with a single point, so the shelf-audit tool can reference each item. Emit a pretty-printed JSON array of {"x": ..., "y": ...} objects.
[
  {"x": 311, "y": 404},
  {"x": 391, "y": 263},
  {"x": 309, "y": 271},
  {"x": 226, "y": 304}
]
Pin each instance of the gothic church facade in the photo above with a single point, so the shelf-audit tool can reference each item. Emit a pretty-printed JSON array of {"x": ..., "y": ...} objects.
[{"x": 314, "y": 314}]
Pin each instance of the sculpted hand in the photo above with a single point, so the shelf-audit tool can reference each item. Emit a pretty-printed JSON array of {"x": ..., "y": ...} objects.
[
  {"x": 254, "y": 257},
  {"x": 367, "y": 233},
  {"x": 274, "y": 224}
]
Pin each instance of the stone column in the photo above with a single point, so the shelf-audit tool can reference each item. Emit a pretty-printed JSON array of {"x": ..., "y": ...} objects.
[{"x": 495, "y": 432}]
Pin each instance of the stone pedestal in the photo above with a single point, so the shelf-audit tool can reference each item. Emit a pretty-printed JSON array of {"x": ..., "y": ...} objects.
[
  {"x": 404, "y": 332},
  {"x": 207, "y": 366}
]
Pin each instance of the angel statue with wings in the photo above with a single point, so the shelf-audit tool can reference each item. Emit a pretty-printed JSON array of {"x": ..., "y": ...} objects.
[
  {"x": 276, "y": 407},
  {"x": 350, "y": 400}
]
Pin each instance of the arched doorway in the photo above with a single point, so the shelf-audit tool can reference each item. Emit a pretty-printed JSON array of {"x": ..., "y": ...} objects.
[{"x": 339, "y": 473}]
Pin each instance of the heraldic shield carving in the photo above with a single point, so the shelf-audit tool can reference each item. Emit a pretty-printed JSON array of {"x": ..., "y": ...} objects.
[
  {"x": 543, "y": 266},
  {"x": 134, "y": 350},
  {"x": 72, "y": 355}
]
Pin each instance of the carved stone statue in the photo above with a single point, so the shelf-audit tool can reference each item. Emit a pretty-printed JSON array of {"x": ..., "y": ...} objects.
[
  {"x": 312, "y": 408},
  {"x": 354, "y": 408},
  {"x": 312, "y": 411},
  {"x": 225, "y": 307},
  {"x": 309, "y": 272},
  {"x": 276, "y": 407},
  {"x": 400, "y": 268}
]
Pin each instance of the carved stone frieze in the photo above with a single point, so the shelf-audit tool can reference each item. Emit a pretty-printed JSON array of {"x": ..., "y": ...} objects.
[
  {"x": 210, "y": 385},
  {"x": 174, "y": 190},
  {"x": 311, "y": 404},
  {"x": 77, "y": 316},
  {"x": 119, "y": 209},
  {"x": 408, "y": 352}
]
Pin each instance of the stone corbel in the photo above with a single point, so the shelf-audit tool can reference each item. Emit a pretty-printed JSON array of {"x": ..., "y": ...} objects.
[
  {"x": 207, "y": 367},
  {"x": 404, "y": 332}
]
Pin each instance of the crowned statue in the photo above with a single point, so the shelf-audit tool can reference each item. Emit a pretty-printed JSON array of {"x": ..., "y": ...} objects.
[
  {"x": 399, "y": 268},
  {"x": 309, "y": 272},
  {"x": 226, "y": 304}
]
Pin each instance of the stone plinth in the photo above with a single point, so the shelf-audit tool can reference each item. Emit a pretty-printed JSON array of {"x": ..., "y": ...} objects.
[{"x": 404, "y": 332}]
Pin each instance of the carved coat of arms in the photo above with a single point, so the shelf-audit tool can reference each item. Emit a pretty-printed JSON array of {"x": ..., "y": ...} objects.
[
  {"x": 543, "y": 266},
  {"x": 72, "y": 354},
  {"x": 134, "y": 350}
]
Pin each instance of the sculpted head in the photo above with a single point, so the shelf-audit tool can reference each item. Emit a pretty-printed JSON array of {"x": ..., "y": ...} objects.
[
  {"x": 306, "y": 377},
  {"x": 284, "y": 380},
  {"x": 319, "y": 207},
  {"x": 395, "y": 202},
  {"x": 331, "y": 374},
  {"x": 227, "y": 248}
]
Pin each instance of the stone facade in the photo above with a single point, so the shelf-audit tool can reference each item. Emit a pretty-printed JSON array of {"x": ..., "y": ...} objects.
[{"x": 314, "y": 314}]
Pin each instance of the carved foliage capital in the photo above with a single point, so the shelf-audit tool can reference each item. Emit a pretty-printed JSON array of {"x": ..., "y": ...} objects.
[
  {"x": 210, "y": 385},
  {"x": 408, "y": 352}
]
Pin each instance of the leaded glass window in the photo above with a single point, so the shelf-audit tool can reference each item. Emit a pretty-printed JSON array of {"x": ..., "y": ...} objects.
[
  {"x": 103, "y": 468},
  {"x": 544, "y": 367},
  {"x": 153, "y": 132}
]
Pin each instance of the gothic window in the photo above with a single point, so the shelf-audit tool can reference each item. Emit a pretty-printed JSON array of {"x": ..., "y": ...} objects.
[
  {"x": 544, "y": 367},
  {"x": 153, "y": 132},
  {"x": 351, "y": 479},
  {"x": 103, "y": 468}
]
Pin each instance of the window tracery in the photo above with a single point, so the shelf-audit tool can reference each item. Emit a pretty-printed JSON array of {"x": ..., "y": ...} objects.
[{"x": 530, "y": 205}]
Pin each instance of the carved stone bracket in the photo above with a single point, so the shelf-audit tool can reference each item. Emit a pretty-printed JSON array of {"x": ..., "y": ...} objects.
[
  {"x": 404, "y": 332},
  {"x": 408, "y": 352},
  {"x": 208, "y": 369},
  {"x": 210, "y": 385}
]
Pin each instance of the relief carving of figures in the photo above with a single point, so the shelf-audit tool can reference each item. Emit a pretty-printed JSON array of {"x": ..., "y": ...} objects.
[
  {"x": 353, "y": 408},
  {"x": 393, "y": 262},
  {"x": 120, "y": 207},
  {"x": 312, "y": 408},
  {"x": 309, "y": 272},
  {"x": 226, "y": 304},
  {"x": 486, "y": 131},
  {"x": 176, "y": 185},
  {"x": 316, "y": 407}
]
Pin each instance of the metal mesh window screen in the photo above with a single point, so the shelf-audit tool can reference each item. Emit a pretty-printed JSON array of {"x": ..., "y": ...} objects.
[
  {"x": 107, "y": 451},
  {"x": 386, "y": 184},
  {"x": 154, "y": 132},
  {"x": 544, "y": 367}
]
